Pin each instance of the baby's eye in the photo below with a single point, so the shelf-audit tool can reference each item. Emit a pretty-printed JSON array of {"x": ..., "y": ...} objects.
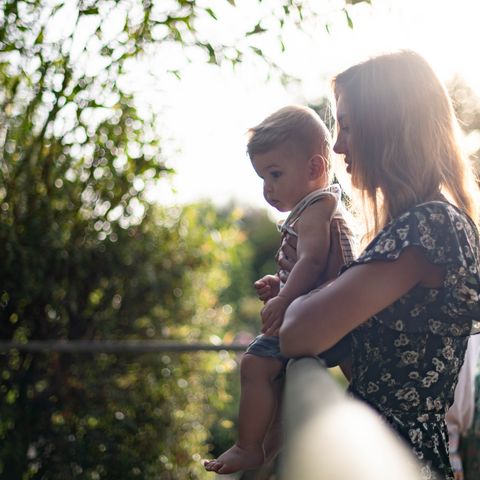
[
  {"x": 276, "y": 174},
  {"x": 345, "y": 128}
]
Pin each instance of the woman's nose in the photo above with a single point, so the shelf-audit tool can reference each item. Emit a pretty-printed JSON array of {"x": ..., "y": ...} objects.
[{"x": 338, "y": 146}]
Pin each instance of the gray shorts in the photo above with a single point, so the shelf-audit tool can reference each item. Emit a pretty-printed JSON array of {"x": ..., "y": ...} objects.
[{"x": 267, "y": 346}]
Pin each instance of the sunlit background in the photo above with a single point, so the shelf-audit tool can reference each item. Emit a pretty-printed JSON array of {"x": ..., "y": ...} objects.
[
  {"x": 205, "y": 112},
  {"x": 209, "y": 110},
  {"x": 118, "y": 118}
]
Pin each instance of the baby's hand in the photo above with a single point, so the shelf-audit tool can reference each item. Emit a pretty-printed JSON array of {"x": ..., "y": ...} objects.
[
  {"x": 272, "y": 315},
  {"x": 267, "y": 287}
]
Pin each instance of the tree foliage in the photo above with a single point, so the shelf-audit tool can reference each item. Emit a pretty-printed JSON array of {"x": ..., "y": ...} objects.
[
  {"x": 467, "y": 107},
  {"x": 106, "y": 416},
  {"x": 87, "y": 256}
]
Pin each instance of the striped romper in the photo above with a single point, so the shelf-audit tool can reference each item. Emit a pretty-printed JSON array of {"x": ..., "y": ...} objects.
[{"x": 342, "y": 240}]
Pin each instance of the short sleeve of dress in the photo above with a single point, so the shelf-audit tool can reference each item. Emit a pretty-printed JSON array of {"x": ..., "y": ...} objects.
[{"x": 448, "y": 238}]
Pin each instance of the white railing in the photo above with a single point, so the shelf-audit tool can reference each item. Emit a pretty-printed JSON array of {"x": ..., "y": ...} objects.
[{"x": 330, "y": 436}]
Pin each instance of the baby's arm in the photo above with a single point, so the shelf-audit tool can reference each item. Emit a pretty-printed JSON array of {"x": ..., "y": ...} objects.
[{"x": 313, "y": 245}]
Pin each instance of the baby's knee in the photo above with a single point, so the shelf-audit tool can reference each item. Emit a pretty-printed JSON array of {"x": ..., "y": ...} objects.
[
  {"x": 254, "y": 368},
  {"x": 248, "y": 366}
]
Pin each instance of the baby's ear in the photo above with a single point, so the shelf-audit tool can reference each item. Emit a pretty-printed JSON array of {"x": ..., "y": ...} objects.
[{"x": 317, "y": 166}]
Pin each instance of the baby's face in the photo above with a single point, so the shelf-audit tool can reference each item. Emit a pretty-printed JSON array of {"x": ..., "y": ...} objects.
[{"x": 285, "y": 177}]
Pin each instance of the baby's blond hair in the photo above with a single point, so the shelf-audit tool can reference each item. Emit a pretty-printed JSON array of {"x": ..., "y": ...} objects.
[{"x": 294, "y": 126}]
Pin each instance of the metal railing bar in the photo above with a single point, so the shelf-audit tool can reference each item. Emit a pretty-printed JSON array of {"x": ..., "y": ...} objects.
[{"x": 115, "y": 346}]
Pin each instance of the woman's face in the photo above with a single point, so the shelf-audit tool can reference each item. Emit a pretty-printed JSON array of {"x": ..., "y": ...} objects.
[{"x": 343, "y": 143}]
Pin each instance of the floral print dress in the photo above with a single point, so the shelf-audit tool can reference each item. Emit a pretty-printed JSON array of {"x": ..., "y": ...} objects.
[{"x": 406, "y": 359}]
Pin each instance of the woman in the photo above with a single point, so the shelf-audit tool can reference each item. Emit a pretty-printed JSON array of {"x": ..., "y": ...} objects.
[{"x": 411, "y": 298}]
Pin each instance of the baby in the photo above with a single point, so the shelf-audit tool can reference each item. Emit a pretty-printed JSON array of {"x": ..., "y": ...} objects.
[{"x": 290, "y": 152}]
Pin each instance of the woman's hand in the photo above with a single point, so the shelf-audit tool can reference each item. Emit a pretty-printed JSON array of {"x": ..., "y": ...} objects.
[
  {"x": 286, "y": 256},
  {"x": 272, "y": 315}
]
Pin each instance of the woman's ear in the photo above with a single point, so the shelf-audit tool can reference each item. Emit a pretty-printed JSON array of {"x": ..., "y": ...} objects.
[{"x": 317, "y": 167}]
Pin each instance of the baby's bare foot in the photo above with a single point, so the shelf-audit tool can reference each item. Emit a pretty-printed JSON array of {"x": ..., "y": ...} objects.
[
  {"x": 211, "y": 465},
  {"x": 235, "y": 459}
]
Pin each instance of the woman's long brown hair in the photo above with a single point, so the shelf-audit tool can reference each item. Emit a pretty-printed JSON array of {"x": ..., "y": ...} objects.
[{"x": 404, "y": 137}]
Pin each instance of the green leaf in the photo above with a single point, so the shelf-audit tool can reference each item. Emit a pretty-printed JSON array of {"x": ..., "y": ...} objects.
[
  {"x": 39, "y": 38},
  {"x": 56, "y": 8},
  {"x": 8, "y": 48},
  {"x": 90, "y": 11},
  {"x": 300, "y": 12},
  {"x": 211, "y": 13},
  {"x": 257, "y": 50},
  {"x": 256, "y": 29},
  {"x": 176, "y": 73},
  {"x": 349, "y": 20},
  {"x": 211, "y": 53}
]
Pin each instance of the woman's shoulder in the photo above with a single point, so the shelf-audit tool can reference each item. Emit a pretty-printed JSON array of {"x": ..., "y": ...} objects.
[
  {"x": 447, "y": 237},
  {"x": 437, "y": 227},
  {"x": 435, "y": 211},
  {"x": 436, "y": 217}
]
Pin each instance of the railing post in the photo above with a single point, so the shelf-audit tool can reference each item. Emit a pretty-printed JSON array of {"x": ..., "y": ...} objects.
[{"x": 329, "y": 436}]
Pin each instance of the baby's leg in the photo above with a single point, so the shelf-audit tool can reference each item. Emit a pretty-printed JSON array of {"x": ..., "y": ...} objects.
[
  {"x": 258, "y": 401},
  {"x": 274, "y": 436}
]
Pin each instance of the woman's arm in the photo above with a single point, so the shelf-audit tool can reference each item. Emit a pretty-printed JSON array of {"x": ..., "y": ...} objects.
[
  {"x": 315, "y": 322},
  {"x": 286, "y": 256}
]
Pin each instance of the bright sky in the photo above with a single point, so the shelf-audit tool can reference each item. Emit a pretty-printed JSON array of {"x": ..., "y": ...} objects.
[{"x": 208, "y": 112}]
